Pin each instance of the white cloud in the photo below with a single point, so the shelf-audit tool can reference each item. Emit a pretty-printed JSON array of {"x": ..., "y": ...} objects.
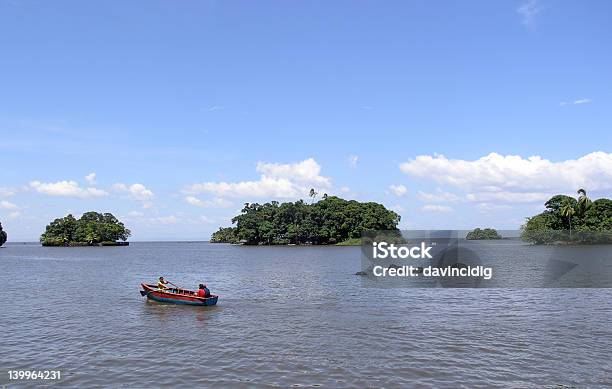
[
  {"x": 214, "y": 203},
  {"x": 14, "y": 215},
  {"x": 8, "y": 205},
  {"x": 136, "y": 191},
  {"x": 582, "y": 101},
  {"x": 91, "y": 178},
  {"x": 398, "y": 190},
  {"x": 7, "y": 192},
  {"x": 345, "y": 189},
  {"x": 509, "y": 197},
  {"x": 352, "y": 160},
  {"x": 436, "y": 208},
  {"x": 438, "y": 197},
  {"x": 135, "y": 214},
  {"x": 575, "y": 102},
  {"x": 66, "y": 189},
  {"x": 513, "y": 178},
  {"x": 276, "y": 181},
  {"x": 528, "y": 11}
]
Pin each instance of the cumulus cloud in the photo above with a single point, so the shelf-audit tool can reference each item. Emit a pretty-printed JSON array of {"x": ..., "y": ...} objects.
[
  {"x": 66, "y": 189},
  {"x": 398, "y": 190},
  {"x": 513, "y": 178},
  {"x": 8, "y": 205},
  {"x": 213, "y": 203},
  {"x": 91, "y": 178},
  {"x": 352, "y": 160},
  {"x": 436, "y": 208},
  {"x": 276, "y": 181},
  {"x": 135, "y": 191}
]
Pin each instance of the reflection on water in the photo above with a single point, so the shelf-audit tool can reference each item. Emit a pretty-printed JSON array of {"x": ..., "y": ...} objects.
[{"x": 286, "y": 316}]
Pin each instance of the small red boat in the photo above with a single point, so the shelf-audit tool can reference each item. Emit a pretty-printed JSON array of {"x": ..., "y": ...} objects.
[{"x": 176, "y": 296}]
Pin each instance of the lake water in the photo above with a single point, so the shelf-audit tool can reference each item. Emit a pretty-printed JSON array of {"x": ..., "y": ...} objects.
[{"x": 287, "y": 316}]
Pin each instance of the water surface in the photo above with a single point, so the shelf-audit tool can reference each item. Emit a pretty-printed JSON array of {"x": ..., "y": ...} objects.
[{"x": 287, "y": 316}]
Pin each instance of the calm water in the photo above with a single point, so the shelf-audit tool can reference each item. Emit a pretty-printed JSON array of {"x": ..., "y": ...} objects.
[{"x": 287, "y": 316}]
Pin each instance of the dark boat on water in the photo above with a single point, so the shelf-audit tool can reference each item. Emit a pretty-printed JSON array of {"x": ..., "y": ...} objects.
[{"x": 176, "y": 296}]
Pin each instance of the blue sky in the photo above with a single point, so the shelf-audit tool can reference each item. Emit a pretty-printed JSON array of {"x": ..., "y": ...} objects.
[{"x": 174, "y": 104}]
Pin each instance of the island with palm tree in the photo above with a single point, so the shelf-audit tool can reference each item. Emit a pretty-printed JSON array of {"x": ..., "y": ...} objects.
[
  {"x": 331, "y": 220},
  {"x": 569, "y": 220}
]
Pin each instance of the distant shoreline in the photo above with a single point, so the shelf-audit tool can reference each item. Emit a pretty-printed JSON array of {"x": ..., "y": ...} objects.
[{"x": 86, "y": 244}]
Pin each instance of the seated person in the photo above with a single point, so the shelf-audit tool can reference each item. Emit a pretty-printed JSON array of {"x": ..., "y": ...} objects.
[
  {"x": 161, "y": 284},
  {"x": 203, "y": 291}
]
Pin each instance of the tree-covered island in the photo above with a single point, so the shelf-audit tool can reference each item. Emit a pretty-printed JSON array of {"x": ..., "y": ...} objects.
[
  {"x": 331, "y": 220},
  {"x": 483, "y": 234},
  {"x": 3, "y": 235},
  {"x": 570, "y": 220},
  {"x": 91, "y": 229}
]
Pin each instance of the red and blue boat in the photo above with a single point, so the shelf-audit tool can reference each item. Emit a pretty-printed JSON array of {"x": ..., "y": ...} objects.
[{"x": 176, "y": 296}]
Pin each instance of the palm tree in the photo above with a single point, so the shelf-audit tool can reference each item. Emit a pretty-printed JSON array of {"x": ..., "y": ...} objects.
[
  {"x": 584, "y": 203},
  {"x": 312, "y": 194},
  {"x": 568, "y": 211}
]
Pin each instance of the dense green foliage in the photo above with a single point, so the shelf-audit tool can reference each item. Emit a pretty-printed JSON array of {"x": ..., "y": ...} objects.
[
  {"x": 224, "y": 235},
  {"x": 91, "y": 229},
  {"x": 3, "y": 235},
  {"x": 482, "y": 234},
  {"x": 329, "y": 221},
  {"x": 569, "y": 220}
]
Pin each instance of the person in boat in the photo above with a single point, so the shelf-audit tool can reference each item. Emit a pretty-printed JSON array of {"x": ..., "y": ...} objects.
[
  {"x": 161, "y": 284},
  {"x": 203, "y": 291}
]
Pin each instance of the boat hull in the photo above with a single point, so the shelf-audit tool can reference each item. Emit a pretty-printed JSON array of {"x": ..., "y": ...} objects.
[{"x": 177, "y": 296}]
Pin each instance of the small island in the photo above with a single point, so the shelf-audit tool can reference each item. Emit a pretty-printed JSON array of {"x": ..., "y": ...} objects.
[
  {"x": 3, "y": 236},
  {"x": 330, "y": 221},
  {"x": 483, "y": 234},
  {"x": 567, "y": 220},
  {"x": 91, "y": 229}
]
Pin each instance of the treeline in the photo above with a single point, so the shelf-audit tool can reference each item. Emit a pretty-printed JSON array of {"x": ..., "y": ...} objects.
[
  {"x": 483, "y": 234},
  {"x": 3, "y": 236},
  {"x": 329, "y": 221},
  {"x": 567, "y": 219},
  {"x": 92, "y": 228}
]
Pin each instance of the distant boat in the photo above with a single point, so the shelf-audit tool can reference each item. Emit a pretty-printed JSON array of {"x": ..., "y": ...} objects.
[{"x": 176, "y": 296}]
